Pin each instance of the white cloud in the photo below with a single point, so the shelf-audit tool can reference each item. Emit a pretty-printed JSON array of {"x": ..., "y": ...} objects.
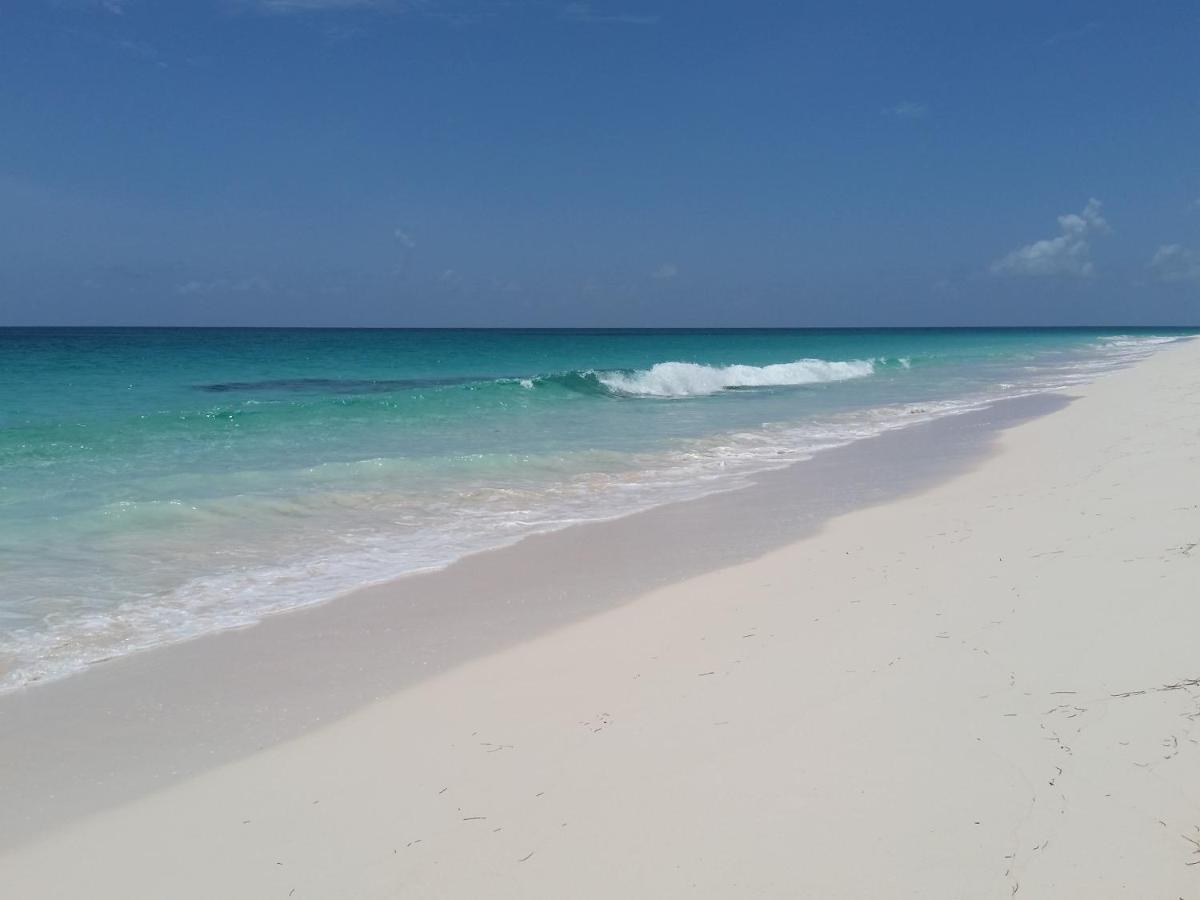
[
  {"x": 583, "y": 12},
  {"x": 405, "y": 239},
  {"x": 1067, "y": 254},
  {"x": 1171, "y": 262},
  {"x": 665, "y": 271},
  {"x": 907, "y": 109}
]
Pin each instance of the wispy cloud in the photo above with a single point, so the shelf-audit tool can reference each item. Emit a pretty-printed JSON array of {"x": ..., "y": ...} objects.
[
  {"x": 584, "y": 13},
  {"x": 1068, "y": 254},
  {"x": 340, "y": 33},
  {"x": 506, "y": 286},
  {"x": 906, "y": 109},
  {"x": 448, "y": 12},
  {"x": 255, "y": 284},
  {"x": 142, "y": 50},
  {"x": 302, "y": 6},
  {"x": 112, "y": 7},
  {"x": 450, "y": 279},
  {"x": 1072, "y": 34},
  {"x": 1172, "y": 262},
  {"x": 665, "y": 271},
  {"x": 406, "y": 244}
]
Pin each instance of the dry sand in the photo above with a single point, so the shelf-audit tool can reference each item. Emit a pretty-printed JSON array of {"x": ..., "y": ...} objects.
[{"x": 981, "y": 689}]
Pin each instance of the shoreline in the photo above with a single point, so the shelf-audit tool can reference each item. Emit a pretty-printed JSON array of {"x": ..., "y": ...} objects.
[
  {"x": 188, "y": 595},
  {"x": 283, "y": 696},
  {"x": 309, "y": 666}
]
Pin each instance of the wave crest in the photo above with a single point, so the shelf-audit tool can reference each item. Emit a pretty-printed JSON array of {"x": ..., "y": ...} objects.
[{"x": 681, "y": 379}]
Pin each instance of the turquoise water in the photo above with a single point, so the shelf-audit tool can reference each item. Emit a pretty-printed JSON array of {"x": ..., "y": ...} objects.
[{"x": 157, "y": 484}]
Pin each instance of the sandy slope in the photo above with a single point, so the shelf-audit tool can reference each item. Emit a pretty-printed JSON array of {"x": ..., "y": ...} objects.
[{"x": 976, "y": 691}]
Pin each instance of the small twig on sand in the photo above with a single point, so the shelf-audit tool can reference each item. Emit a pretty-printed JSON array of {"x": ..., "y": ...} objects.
[
  {"x": 1195, "y": 842},
  {"x": 1177, "y": 686}
]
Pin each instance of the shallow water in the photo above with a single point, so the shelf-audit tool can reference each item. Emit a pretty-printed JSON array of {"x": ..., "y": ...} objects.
[{"x": 156, "y": 484}]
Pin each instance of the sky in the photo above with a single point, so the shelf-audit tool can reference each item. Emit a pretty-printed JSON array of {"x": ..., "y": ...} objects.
[{"x": 603, "y": 163}]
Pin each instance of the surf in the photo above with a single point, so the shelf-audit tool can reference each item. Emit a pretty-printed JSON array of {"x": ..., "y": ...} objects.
[{"x": 684, "y": 379}]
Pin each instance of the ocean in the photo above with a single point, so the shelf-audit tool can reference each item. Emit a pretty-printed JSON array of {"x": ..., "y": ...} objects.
[{"x": 159, "y": 484}]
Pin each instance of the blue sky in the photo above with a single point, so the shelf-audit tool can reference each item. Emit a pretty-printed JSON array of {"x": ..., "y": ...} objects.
[{"x": 618, "y": 162}]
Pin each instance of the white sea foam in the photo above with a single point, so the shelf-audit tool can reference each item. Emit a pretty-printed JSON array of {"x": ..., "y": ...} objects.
[
  {"x": 1123, "y": 341},
  {"x": 681, "y": 379}
]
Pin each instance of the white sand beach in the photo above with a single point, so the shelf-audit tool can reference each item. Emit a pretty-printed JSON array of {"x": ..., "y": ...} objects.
[{"x": 983, "y": 688}]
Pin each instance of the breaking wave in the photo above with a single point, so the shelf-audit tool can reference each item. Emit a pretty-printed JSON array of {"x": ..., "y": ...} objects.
[{"x": 681, "y": 379}]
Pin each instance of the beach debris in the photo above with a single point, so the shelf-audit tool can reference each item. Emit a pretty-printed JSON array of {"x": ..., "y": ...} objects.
[
  {"x": 1177, "y": 686},
  {"x": 1195, "y": 842},
  {"x": 602, "y": 721},
  {"x": 523, "y": 858}
]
